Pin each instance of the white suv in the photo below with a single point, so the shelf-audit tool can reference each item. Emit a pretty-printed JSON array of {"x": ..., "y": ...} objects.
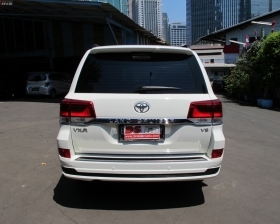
[{"x": 140, "y": 113}]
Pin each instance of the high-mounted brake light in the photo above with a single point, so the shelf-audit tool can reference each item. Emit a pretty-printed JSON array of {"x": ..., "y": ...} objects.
[
  {"x": 76, "y": 110},
  {"x": 206, "y": 111}
]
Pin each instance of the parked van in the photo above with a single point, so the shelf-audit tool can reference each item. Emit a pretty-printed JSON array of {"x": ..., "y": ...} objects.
[{"x": 47, "y": 83}]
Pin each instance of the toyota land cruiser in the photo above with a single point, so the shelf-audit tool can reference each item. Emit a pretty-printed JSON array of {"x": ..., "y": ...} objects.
[{"x": 140, "y": 113}]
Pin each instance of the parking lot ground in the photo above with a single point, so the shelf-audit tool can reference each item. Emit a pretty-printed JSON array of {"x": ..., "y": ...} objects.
[{"x": 32, "y": 189}]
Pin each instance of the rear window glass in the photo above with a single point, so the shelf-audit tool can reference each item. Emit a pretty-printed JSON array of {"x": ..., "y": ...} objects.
[
  {"x": 36, "y": 77},
  {"x": 141, "y": 73}
]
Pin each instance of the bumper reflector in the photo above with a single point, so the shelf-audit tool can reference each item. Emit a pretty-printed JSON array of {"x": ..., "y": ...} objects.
[
  {"x": 217, "y": 153},
  {"x": 64, "y": 153}
]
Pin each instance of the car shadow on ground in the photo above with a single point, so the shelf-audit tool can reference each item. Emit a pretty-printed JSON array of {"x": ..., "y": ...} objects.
[{"x": 128, "y": 195}]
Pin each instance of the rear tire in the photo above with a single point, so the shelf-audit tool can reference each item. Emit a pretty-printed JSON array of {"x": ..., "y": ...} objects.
[{"x": 53, "y": 93}]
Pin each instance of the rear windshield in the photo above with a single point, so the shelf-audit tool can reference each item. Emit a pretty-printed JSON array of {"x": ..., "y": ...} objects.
[
  {"x": 36, "y": 77},
  {"x": 141, "y": 73}
]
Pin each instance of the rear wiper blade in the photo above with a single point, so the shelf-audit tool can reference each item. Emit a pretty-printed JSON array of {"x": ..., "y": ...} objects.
[{"x": 154, "y": 88}]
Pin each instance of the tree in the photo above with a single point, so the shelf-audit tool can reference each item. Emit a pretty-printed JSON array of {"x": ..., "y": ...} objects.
[
  {"x": 244, "y": 77},
  {"x": 257, "y": 71},
  {"x": 269, "y": 58}
]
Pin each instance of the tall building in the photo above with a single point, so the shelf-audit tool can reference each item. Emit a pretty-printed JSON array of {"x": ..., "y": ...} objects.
[
  {"x": 165, "y": 27},
  {"x": 148, "y": 14},
  {"x": 121, "y": 5},
  {"x": 178, "y": 34},
  {"x": 130, "y": 8},
  {"x": 204, "y": 17}
]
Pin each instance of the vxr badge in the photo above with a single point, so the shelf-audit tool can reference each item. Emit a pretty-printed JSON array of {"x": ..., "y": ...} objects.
[{"x": 80, "y": 130}]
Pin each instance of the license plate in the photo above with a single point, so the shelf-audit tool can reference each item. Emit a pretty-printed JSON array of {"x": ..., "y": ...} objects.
[
  {"x": 139, "y": 132},
  {"x": 35, "y": 89}
]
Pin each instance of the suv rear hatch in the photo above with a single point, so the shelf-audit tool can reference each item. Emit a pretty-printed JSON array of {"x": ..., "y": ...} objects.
[
  {"x": 140, "y": 103},
  {"x": 35, "y": 81}
]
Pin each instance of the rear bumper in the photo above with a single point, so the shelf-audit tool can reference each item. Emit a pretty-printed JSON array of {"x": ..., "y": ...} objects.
[
  {"x": 41, "y": 91},
  {"x": 73, "y": 174},
  {"x": 141, "y": 171}
]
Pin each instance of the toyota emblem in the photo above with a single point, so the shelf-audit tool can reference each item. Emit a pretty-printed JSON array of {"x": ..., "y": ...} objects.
[{"x": 141, "y": 107}]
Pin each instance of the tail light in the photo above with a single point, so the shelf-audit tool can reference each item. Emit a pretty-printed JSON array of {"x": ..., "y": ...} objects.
[
  {"x": 217, "y": 153},
  {"x": 76, "y": 111},
  {"x": 209, "y": 111},
  {"x": 64, "y": 153}
]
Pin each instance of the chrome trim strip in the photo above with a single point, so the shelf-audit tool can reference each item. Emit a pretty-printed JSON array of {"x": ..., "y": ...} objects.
[
  {"x": 143, "y": 156},
  {"x": 140, "y": 121},
  {"x": 165, "y": 121},
  {"x": 140, "y": 158}
]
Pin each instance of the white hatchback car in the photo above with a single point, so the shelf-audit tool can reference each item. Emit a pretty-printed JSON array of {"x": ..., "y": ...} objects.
[{"x": 140, "y": 113}]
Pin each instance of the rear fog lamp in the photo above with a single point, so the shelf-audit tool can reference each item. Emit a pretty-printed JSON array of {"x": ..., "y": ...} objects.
[
  {"x": 217, "y": 153},
  {"x": 64, "y": 153}
]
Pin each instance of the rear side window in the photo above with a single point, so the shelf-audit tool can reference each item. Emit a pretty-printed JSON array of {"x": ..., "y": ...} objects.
[
  {"x": 36, "y": 77},
  {"x": 141, "y": 73}
]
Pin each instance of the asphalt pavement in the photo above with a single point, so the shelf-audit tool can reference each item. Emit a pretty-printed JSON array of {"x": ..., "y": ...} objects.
[{"x": 32, "y": 189}]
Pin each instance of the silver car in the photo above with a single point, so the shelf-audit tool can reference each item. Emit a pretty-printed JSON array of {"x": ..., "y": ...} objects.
[{"x": 47, "y": 83}]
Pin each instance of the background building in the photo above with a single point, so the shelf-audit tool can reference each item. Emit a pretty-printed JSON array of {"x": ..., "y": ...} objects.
[
  {"x": 204, "y": 17},
  {"x": 130, "y": 7},
  {"x": 165, "y": 27},
  {"x": 178, "y": 34},
  {"x": 53, "y": 35},
  {"x": 148, "y": 14},
  {"x": 121, "y": 5}
]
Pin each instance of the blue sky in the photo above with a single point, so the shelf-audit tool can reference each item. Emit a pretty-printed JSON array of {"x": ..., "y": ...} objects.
[{"x": 175, "y": 9}]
